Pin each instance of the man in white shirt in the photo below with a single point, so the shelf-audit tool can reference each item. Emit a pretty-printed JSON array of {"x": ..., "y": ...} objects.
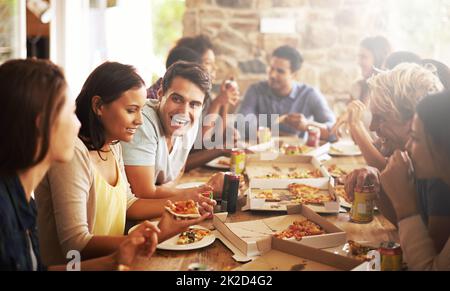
[{"x": 157, "y": 155}]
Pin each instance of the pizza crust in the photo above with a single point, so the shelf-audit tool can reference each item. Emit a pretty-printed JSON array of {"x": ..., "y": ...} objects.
[
  {"x": 180, "y": 215},
  {"x": 309, "y": 195},
  {"x": 192, "y": 235}
]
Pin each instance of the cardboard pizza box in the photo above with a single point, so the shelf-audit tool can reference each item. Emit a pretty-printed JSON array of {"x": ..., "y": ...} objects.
[
  {"x": 259, "y": 165},
  {"x": 279, "y": 142},
  {"x": 290, "y": 256},
  {"x": 254, "y": 238},
  {"x": 280, "y": 189}
]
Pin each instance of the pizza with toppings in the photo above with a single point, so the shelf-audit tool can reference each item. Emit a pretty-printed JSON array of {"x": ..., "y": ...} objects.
[
  {"x": 184, "y": 209},
  {"x": 292, "y": 150},
  {"x": 271, "y": 176},
  {"x": 268, "y": 196},
  {"x": 309, "y": 195},
  {"x": 192, "y": 235},
  {"x": 224, "y": 162},
  {"x": 305, "y": 174},
  {"x": 359, "y": 251},
  {"x": 340, "y": 191},
  {"x": 298, "y": 229},
  {"x": 336, "y": 171},
  {"x": 296, "y": 174}
]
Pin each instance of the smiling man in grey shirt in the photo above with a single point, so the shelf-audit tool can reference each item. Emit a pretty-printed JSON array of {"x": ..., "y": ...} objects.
[
  {"x": 149, "y": 147},
  {"x": 156, "y": 157}
]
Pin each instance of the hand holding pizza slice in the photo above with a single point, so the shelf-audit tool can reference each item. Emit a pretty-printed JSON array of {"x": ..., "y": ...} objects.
[
  {"x": 173, "y": 222},
  {"x": 184, "y": 209}
]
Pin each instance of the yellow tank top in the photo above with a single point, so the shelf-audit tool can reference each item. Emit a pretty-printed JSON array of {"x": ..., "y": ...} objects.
[{"x": 111, "y": 205}]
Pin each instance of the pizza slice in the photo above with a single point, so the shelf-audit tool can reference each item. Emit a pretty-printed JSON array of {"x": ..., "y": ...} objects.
[
  {"x": 340, "y": 191},
  {"x": 359, "y": 251},
  {"x": 184, "y": 209},
  {"x": 192, "y": 235},
  {"x": 268, "y": 196},
  {"x": 305, "y": 174},
  {"x": 300, "y": 229},
  {"x": 301, "y": 189},
  {"x": 224, "y": 162},
  {"x": 298, "y": 174},
  {"x": 271, "y": 176},
  {"x": 316, "y": 173},
  {"x": 309, "y": 195},
  {"x": 304, "y": 149},
  {"x": 292, "y": 150},
  {"x": 336, "y": 171}
]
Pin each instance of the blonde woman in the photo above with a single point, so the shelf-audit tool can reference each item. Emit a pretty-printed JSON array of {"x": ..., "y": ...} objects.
[{"x": 394, "y": 96}]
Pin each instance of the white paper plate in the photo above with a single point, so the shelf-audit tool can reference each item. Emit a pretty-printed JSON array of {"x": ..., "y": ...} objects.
[
  {"x": 344, "y": 203},
  {"x": 171, "y": 244},
  {"x": 190, "y": 185},
  {"x": 344, "y": 250},
  {"x": 216, "y": 165},
  {"x": 344, "y": 149}
]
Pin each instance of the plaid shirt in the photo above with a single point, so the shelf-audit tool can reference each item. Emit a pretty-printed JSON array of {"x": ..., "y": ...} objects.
[
  {"x": 18, "y": 219},
  {"x": 152, "y": 92}
]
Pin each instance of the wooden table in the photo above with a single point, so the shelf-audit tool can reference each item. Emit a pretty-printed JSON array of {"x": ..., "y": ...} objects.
[{"x": 219, "y": 257}]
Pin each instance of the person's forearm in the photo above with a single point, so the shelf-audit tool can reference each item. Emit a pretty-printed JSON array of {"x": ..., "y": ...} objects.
[
  {"x": 154, "y": 192},
  {"x": 100, "y": 246},
  {"x": 385, "y": 206},
  {"x": 200, "y": 158},
  {"x": 418, "y": 247},
  {"x": 108, "y": 263},
  {"x": 144, "y": 209},
  {"x": 370, "y": 153}
]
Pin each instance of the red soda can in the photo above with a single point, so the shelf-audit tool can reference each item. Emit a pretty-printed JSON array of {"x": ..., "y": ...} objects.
[{"x": 313, "y": 137}]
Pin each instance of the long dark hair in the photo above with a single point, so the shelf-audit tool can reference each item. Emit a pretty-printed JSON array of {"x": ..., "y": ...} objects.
[
  {"x": 380, "y": 48},
  {"x": 442, "y": 71},
  {"x": 108, "y": 81},
  {"x": 31, "y": 91},
  {"x": 434, "y": 111},
  {"x": 200, "y": 44}
]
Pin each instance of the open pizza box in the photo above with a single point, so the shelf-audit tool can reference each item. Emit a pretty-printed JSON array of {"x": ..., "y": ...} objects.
[
  {"x": 290, "y": 256},
  {"x": 277, "y": 143},
  {"x": 322, "y": 149},
  {"x": 260, "y": 165},
  {"x": 262, "y": 147},
  {"x": 254, "y": 238},
  {"x": 273, "y": 195}
]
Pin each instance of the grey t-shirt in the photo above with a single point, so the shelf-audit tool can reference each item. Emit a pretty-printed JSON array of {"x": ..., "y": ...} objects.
[{"x": 149, "y": 148}]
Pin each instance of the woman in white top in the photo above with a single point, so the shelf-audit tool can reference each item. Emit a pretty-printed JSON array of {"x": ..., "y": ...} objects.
[{"x": 428, "y": 157}]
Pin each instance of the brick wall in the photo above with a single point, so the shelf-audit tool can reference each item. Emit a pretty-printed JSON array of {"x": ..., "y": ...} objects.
[{"x": 328, "y": 33}]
